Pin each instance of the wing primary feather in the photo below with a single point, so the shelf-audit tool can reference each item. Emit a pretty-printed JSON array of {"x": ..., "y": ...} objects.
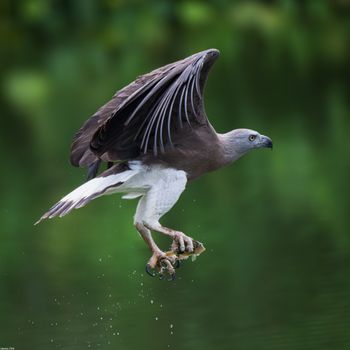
[
  {"x": 198, "y": 68},
  {"x": 159, "y": 125},
  {"x": 180, "y": 105},
  {"x": 148, "y": 130},
  {"x": 187, "y": 81},
  {"x": 144, "y": 121},
  {"x": 179, "y": 85},
  {"x": 174, "y": 91},
  {"x": 146, "y": 134},
  {"x": 153, "y": 115},
  {"x": 170, "y": 110},
  {"x": 185, "y": 105},
  {"x": 148, "y": 96},
  {"x": 157, "y": 117},
  {"x": 157, "y": 120},
  {"x": 132, "y": 96},
  {"x": 168, "y": 129},
  {"x": 192, "y": 81},
  {"x": 168, "y": 98},
  {"x": 186, "y": 74}
]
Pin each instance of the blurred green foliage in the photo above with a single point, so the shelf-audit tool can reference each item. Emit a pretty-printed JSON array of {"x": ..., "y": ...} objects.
[{"x": 276, "y": 225}]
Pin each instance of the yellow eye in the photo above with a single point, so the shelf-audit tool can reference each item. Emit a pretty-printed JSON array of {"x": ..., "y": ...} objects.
[{"x": 252, "y": 137}]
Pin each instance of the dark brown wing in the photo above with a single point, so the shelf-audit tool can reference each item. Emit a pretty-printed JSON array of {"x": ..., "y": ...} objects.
[{"x": 142, "y": 117}]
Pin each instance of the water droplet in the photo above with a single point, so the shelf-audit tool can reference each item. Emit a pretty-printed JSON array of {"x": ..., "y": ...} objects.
[
  {"x": 156, "y": 318},
  {"x": 152, "y": 301},
  {"x": 171, "y": 325}
]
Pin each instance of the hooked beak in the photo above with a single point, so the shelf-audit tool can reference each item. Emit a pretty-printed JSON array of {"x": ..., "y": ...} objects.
[{"x": 266, "y": 142}]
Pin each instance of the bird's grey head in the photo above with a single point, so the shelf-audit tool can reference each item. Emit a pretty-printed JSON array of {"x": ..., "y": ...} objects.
[{"x": 240, "y": 141}]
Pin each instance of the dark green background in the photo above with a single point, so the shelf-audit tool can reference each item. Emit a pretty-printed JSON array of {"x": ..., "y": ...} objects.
[{"x": 276, "y": 272}]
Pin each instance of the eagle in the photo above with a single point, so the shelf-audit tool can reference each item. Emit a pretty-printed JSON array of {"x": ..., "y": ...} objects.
[{"x": 154, "y": 137}]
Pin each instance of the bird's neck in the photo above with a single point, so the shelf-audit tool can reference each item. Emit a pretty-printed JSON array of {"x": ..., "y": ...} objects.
[{"x": 230, "y": 151}]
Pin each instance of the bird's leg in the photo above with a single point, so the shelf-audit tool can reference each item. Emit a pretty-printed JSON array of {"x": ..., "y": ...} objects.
[
  {"x": 165, "y": 263},
  {"x": 158, "y": 200}
]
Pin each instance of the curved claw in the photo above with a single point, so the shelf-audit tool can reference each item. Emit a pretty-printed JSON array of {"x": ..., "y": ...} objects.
[
  {"x": 167, "y": 272},
  {"x": 164, "y": 273},
  {"x": 151, "y": 271},
  {"x": 163, "y": 265},
  {"x": 176, "y": 264},
  {"x": 170, "y": 277}
]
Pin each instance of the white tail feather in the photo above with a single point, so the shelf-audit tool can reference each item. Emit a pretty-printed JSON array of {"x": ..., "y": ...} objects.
[
  {"x": 88, "y": 191},
  {"x": 132, "y": 195}
]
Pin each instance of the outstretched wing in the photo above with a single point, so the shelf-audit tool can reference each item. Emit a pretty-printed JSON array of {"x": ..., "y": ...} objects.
[{"x": 142, "y": 117}]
